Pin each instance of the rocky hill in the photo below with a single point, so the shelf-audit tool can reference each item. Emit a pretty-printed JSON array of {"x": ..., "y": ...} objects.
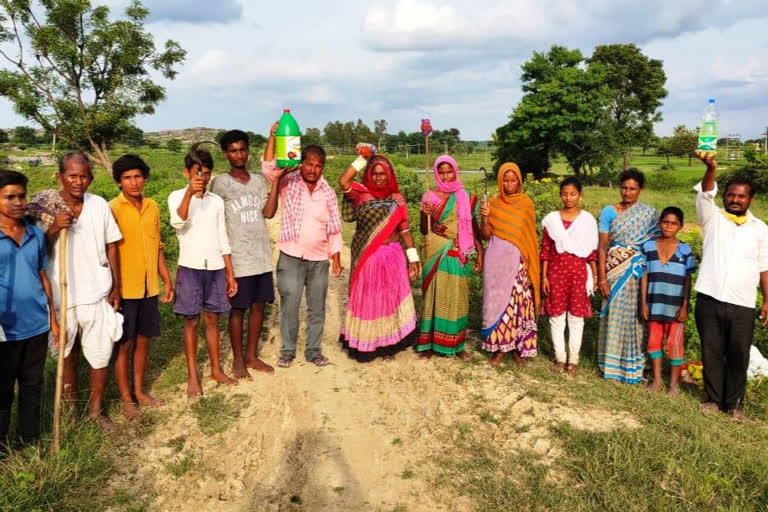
[{"x": 188, "y": 135}]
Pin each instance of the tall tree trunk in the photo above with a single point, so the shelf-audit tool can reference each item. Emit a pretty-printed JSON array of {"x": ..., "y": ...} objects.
[
  {"x": 690, "y": 157},
  {"x": 101, "y": 155},
  {"x": 625, "y": 166},
  {"x": 667, "y": 159}
]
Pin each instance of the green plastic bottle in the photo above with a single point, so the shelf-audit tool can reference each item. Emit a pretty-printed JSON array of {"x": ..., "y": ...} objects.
[{"x": 288, "y": 141}]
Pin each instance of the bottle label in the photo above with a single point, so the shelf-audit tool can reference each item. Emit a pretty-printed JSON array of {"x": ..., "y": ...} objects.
[
  {"x": 708, "y": 136},
  {"x": 707, "y": 143},
  {"x": 288, "y": 148}
]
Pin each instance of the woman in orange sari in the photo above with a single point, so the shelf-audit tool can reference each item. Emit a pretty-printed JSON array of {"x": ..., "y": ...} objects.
[{"x": 511, "y": 276}]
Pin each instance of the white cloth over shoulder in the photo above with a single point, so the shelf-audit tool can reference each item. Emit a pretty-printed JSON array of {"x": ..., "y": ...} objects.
[
  {"x": 758, "y": 364},
  {"x": 580, "y": 239},
  {"x": 100, "y": 327},
  {"x": 89, "y": 277}
]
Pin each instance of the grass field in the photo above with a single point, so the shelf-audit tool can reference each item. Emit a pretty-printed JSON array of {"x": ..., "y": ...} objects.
[{"x": 675, "y": 459}]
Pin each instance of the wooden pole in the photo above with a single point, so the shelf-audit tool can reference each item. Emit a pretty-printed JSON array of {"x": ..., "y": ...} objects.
[
  {"x": 426, "y": 177},
  {"x": 62, "y": 340}
]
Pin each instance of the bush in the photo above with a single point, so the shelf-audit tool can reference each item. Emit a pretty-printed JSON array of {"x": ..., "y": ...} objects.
[
  {"x": 661, "y": 181},
  {"x": 602, "y": 178},
  {"x": 174, "y": 145},
  {"x": 755, "y": 170}
]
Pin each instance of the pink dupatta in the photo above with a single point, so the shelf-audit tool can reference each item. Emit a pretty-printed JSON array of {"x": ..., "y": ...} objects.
[{"x": 466, "y": 240}]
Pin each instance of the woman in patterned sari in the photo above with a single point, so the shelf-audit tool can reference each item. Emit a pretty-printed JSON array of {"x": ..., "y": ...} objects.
[
  {"x": 380, "y": 311},
  {"x": 511, "y": 279},
  {"x": 450, "y": 240},
  {"x": 623, "y": 227}
]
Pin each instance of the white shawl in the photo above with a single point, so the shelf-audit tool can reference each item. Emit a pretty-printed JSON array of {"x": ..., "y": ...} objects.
[{"x": 580, "y": 239}]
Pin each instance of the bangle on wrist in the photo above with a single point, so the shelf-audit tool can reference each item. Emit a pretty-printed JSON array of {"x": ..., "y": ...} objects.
[{"x": 412, "y": 254}]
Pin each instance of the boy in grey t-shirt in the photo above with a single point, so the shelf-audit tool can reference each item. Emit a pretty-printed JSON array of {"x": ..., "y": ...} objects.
[{"x": 244, "y": 195}]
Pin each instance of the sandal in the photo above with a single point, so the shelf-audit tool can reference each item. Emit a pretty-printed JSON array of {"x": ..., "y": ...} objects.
[
  {"x": 320, "y": 360},
  {"x": 284, "y": 361},
  {"x": 558, "y": 368}
]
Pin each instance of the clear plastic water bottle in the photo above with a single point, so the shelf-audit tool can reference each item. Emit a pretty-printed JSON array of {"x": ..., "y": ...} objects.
[{"x": 709, "y": 130}]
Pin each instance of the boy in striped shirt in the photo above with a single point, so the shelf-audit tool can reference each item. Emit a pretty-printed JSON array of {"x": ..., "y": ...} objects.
[{"x": 665, "y": 290}]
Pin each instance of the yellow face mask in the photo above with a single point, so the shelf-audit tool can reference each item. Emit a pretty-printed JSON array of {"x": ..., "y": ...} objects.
[{"x": 736, "y": 219}]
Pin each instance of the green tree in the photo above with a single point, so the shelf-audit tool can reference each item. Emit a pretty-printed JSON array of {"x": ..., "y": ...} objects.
[
  {"x": 637, "y": 90},
  {"x": 664, "y": 147},
  {"x": 348, "y": 129},
  {"x": 683, "y": 143},
  {"x": 562, "y": 112},
  {"x": 380, "y": 132},
  {"x": 334, "y": 133},
  {"x": 312, "y": 136},
  {"x": 363, "y": 133},
  {"x": 256, "y": 139},
  {"x": 3, "y": 136},
  {"x": 133, "y": 136},
  {"x": 174, "y": 145},
  {"x": 80, "y": 73},
  {"x": 24, "y": 135}
]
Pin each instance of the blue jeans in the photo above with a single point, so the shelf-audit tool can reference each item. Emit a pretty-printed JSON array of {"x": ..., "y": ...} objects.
[{"x": 293, "y": 275}]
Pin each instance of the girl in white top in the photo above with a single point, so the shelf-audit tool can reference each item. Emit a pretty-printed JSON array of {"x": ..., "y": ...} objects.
[{"x": 568, "y": 255}]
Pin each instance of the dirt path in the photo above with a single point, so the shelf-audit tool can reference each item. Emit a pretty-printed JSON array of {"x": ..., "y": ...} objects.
[{"x": 348, "y": 436}]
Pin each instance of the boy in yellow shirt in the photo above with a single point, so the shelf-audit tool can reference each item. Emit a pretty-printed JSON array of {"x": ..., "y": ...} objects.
[{"x": 142, "y": 262}]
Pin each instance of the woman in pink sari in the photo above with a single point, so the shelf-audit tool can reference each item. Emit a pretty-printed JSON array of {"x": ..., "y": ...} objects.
[{"x": 380, "y": 310}]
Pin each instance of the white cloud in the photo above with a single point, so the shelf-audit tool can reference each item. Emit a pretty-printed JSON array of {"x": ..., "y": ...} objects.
[{"x": 423, "y": 25}]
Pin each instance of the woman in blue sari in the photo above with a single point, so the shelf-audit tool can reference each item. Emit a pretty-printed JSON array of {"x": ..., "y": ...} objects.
[{"x": 623, "y": 227}]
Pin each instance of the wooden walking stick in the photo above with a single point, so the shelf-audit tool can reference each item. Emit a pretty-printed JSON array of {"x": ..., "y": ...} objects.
[
  {"x": 426, "y": 130},
  {"x": 62, "y": 339}
]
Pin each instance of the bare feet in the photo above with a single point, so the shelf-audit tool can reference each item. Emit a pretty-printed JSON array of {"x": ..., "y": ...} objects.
[
  {"x": 572, "y": 369},
  {"x": 464, "y": 355},
  {"x": 239, "y": 371},
  {"x": 558, "y": 367},
  {"x": 519, "y": 361},
  {"x": 736, "y": 414},
  {"x": 147, "y": 399},
  {"x": 130, "y": 410},
  {"x": 427, "y": 354},
  {"x": 496, "y": 359},
  {"x": 388, "y": 358},
  {"x": 102, "y": 421},
  {"x": 194, "y": 390},
  {"x": 709, "y": 408},
  {"x": 260, "y": 366},
  {"x": 654, "y": 386},
  {"x": 223, "y": 378},
  {"x": 674, "y": 390}
]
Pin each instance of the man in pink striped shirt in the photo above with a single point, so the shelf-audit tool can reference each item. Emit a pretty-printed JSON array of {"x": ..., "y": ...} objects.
[{"x": 310, "y": 240}]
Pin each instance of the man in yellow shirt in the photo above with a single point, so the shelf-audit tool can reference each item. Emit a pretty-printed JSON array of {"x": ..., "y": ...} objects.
[{"x": 142, "y": 263}]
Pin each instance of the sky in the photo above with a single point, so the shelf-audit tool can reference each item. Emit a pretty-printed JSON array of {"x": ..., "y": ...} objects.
[{"x": 455, "y": 62}]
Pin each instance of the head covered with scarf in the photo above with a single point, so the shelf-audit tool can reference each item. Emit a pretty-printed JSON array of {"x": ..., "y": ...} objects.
[
  {"x": 466, "y": 240},
  {"x": 513, "y": 218},
  {"x": 387, "y": 189}
]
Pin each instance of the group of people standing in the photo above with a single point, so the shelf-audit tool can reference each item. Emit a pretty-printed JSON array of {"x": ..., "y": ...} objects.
[
  {"x": 631, "y": 255},
  {"x": 116, "y": 264}
]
